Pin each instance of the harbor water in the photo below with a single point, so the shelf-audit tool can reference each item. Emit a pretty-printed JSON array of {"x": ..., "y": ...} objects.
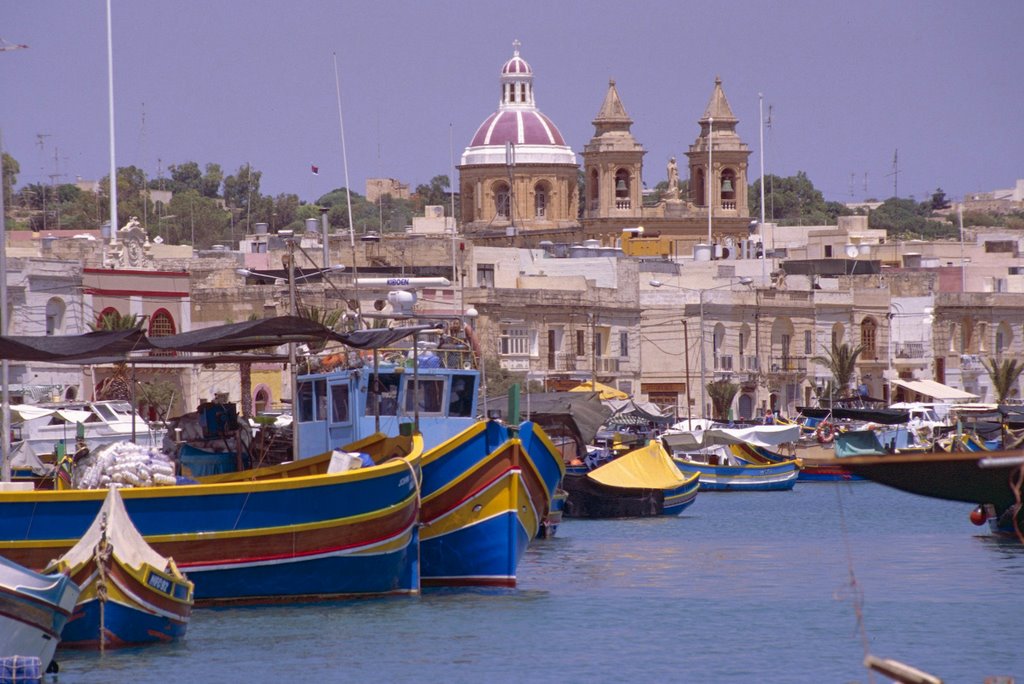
[{"x": 744, "y": 587}]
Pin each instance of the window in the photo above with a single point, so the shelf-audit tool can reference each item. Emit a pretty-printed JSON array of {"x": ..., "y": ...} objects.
[
  {"x": 485, "y": 275},
  {"x": 339, "y": 403},
  {"x": 868, "y": 331},
  {"x": 540, "y": 200},
  {"x": 581, "y": 343},
  {"x": 55, "y": 316},
  {"x": 382, "y": 398},
  {"x": 516, "y": 342},
  {"x": 425, "y": 395},
  {"x": 460, "y": 401},
  {"x": 312, "y": 401},
  {"x": 599, "y": 342},
  {"x": 808, "y": 343},
  {"x": 161, "y": 324},
  {"x": 828, "y": 251},
  {"x": 501, "y": 200},
  {"x": 623, "y": 345}
]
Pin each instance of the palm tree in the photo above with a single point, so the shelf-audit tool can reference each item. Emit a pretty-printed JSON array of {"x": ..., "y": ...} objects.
[
  {"x": 722, "y": 392},
  {"x": 118, "y": 385},
  {"x": 1004, "y": 375},
  {"x": 841, "y": 360}
]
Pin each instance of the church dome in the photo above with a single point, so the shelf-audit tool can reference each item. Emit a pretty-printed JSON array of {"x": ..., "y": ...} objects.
[{"x": 535, "y": 137}]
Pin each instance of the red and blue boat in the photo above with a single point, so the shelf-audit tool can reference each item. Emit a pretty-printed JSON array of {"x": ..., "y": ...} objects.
[
  {"x": 486, "y": 495},
  {"x": 279, "y": 534}
]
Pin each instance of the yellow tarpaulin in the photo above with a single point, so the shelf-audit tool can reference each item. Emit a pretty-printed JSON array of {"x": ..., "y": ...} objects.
[
  {"x": 606, "y": 392},
  {"x": 649, "y": 467}
]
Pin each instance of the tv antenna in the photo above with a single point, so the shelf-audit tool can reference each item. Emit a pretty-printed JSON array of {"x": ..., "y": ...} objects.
[{"x": 895, "y": 173}]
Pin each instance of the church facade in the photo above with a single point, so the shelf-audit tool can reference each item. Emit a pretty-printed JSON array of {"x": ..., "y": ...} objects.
[{"x": 519, "y": 179}]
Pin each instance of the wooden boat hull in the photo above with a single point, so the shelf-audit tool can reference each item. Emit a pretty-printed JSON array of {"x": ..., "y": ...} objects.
[
  {"x": 485, "y": 493},
  {"x": 591, "y": 499},
  {"x": 33, "y": 610},
  {"x": 549, "y": 526},
  {"x": 826, "y": 472},
  {"x": 141, "y": 606},
  {"x": 251, "y": 540},
  {"x": 765, "y": 477}
]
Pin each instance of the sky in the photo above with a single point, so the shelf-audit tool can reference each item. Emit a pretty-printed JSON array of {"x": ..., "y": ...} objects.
[{"x": 851, "y": 86}]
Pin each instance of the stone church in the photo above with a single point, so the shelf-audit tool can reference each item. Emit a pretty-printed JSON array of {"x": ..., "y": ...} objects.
[{"x": 519, "y": 179}]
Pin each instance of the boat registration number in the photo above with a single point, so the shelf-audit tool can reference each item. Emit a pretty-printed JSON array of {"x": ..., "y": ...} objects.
[{"x": 159, "y": 583}]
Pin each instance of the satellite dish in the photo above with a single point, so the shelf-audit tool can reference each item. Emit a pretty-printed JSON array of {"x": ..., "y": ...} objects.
[{"x": 851, "y": 251}]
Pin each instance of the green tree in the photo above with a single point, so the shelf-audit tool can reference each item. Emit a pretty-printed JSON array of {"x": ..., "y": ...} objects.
[
  {"x": 793, "y": 201},
  {"x": 1004, "y": 375},
  {"x": 721, "y": 393},
  {"x": 198, "y": 221},
  {"x": 185, "y": 176},
  {"x": 435, "y": 193},
  {"x": 242, "y": 192},
  {"x": 841, "y": 361},
  {"x": 11, "y": 169},
  {"x": 210, "y": 184}
]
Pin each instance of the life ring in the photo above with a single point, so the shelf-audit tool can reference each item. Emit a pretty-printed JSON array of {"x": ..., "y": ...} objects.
[{"x": 825, "y": 433}]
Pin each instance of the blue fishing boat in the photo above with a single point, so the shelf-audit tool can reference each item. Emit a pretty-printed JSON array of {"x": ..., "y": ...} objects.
[
  {"x": 641, "y": 483},
  {"x": 259, "y": 536},
  {"x": 486, "y": 494},
  {"x": 712, "y": 454},
  {"x": 131, "y": 595},
  {"x": 34, "y": 608}
]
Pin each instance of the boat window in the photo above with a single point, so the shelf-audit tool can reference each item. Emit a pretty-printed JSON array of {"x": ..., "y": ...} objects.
[
  {"x": 339, "y": 403},
  {"x": 106, "y": 413},
  {"x": 304, "y": 401},
  {"x": 427, "y": 395},
  {"x": 382, "y": 398},
  {"x": 460, "y": 402}
]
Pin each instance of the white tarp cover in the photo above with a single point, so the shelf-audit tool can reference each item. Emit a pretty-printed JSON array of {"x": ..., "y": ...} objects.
[
  {"x": 126, "y": 541},
  {"x": 766, "y": 436},
  {"x": 935, "y": 390}
]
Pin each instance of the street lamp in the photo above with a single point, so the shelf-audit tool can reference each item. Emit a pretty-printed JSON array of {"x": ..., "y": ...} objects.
[{"x": 700, "y": 298}]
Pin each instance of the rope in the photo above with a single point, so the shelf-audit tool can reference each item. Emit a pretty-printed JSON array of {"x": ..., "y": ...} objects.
[
  {"x": 857, "y": 594},
  {"x": 1016, "y": 480},
  {"x": 101, "y": 554}
]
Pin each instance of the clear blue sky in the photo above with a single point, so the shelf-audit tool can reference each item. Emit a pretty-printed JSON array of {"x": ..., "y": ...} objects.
[{"x": 230, "y": 81}]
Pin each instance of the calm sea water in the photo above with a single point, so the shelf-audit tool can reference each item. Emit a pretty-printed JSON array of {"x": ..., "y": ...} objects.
[{"x": 744, "y": 587}]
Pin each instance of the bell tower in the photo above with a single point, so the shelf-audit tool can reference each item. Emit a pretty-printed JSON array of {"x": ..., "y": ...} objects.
[
  {"x": 613, "y": 164},
  {"x": 720, "y": 146}
]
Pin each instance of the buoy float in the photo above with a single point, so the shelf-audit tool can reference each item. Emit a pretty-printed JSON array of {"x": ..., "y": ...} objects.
[
  {"x": 825, "y": 433},
  {"x": 978, "y": 515}
]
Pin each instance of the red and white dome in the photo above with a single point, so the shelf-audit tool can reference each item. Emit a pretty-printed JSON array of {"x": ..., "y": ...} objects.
[{"x": 535, "y": 137}]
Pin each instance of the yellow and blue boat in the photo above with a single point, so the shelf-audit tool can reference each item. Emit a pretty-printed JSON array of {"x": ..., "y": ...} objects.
[
  {"x": 34, "y": 607},
  {"x": 486, "y": 494},
  {"x": 641, "y": 483},
  {"x": 278, "y": 534},
  {"x": 131, "y": 595}
]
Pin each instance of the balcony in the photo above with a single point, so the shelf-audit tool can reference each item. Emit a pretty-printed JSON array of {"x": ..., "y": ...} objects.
[
  {"x": 909, "y": 350},
  {"x": 723, "y": 362},
  {"x": 749, "y": 362},
  {"x": 607, "y": 365},
  {"x": 788, "y": 365},
  {"x": 562, "y": 361},
  {"x": 623, "y": 203}
]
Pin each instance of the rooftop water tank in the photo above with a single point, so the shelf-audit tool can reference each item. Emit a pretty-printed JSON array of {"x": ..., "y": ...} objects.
[
  {"x": 260, "y": 229},
  {"x": 702, "y": 252}
]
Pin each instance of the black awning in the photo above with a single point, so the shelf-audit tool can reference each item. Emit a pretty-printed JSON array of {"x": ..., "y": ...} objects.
[{"x": 72, "y": 348}]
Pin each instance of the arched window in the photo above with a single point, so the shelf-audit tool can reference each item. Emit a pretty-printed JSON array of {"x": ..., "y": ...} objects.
[
  {"x": 109, "y": 311},
  {"x": 728, "y": 184},
  {"x": 501, "y": 200},
  {"x": 592, "y": 191},
  {"x": 161, "y": 324},
  {"x": 698, "y": 195},
  {"x": 55, "y": 309},
  {"x": 869, "y": 338},
  {"x": 261, "y": 401},
  {"x": 1004, "y": 338},
  {"x": 540, "y": 200}
]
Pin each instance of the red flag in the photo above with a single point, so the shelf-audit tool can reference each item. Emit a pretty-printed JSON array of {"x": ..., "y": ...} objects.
[{"x": 316, "y": 169}]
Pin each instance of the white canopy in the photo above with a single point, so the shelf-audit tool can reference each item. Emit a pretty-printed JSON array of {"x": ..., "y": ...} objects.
[
  {"x": 766, "y": 436},
  {"x": 935, "y": 390}
]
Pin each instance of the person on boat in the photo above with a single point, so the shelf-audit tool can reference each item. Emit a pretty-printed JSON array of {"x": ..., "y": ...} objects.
[{"x": 769, "y": 417}]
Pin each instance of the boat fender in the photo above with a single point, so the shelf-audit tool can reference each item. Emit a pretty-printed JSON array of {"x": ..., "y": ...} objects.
[{"x": 978, "y": 515}]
